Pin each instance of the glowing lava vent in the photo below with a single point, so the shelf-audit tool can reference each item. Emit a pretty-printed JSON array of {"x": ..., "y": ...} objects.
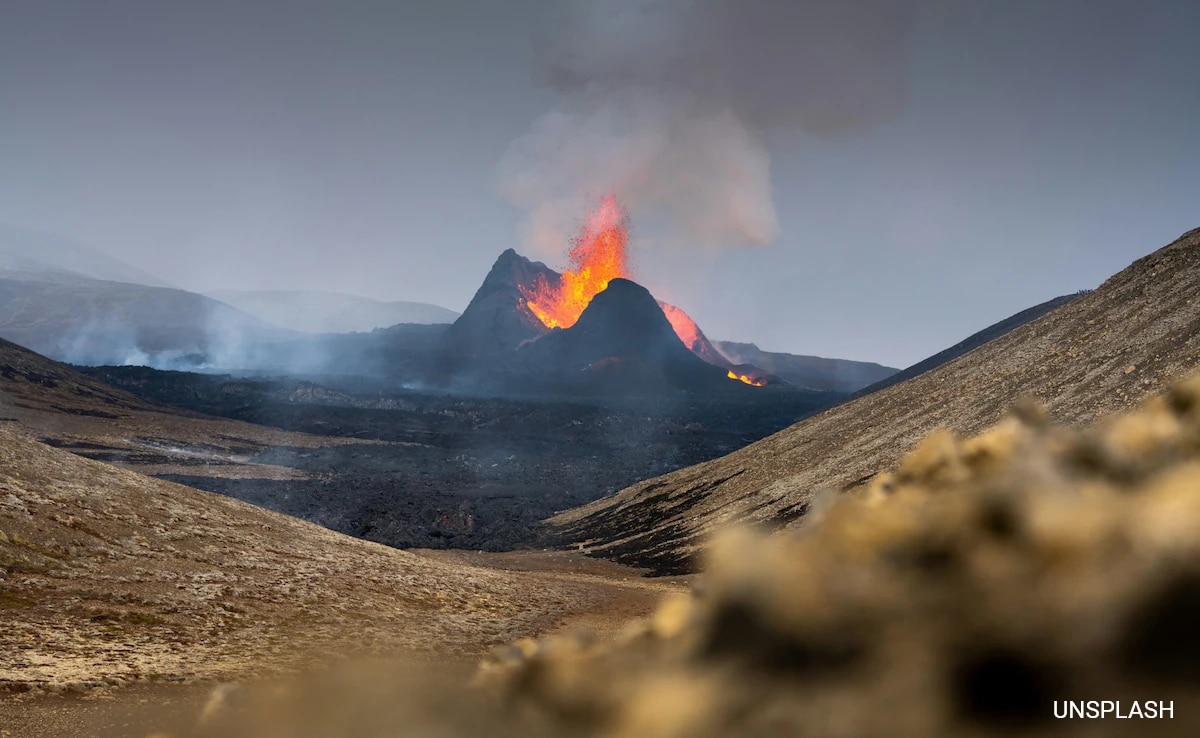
[
  {"x": 748, "y": 379},
  {"x": 597, "y": 256}
]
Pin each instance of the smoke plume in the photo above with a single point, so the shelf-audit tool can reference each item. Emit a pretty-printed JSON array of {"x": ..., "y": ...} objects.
[{"x": 667, "y": 103}]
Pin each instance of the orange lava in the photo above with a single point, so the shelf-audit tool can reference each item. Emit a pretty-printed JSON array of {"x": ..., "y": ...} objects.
[
  {"x": 684, "y": 326},
  {"x": 746, "y": 378},
  {"x": 597, "y": 256}
]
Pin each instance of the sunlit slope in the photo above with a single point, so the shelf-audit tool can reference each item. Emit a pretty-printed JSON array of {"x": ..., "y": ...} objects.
[
  {"x": 1098, "y": 354},
  {"x": 108, "y": 576}
]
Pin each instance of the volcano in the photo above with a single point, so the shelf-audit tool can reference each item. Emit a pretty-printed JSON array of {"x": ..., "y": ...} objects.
[
  {"x": 621, "y": 342},
  {"x": 628, "y": 337},
  {"x": 497, "y": 320}
]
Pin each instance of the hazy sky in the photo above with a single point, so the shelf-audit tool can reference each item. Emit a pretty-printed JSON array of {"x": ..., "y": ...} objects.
[{"x": 1032, "y": 148}]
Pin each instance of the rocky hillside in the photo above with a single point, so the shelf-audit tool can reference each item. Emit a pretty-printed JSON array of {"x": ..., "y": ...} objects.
[
  {"x": 1096, "y": 355},
  {"x": 978, "y": 591},
  {"x": 971, "y": 593},
  {"x": 970, "y": 343},
  {"x": 109, "y": 577},
  {"x": 91, "y": 321}
]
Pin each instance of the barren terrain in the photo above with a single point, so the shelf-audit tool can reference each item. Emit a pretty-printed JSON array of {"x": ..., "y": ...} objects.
[
  {"x": 972, "y": 591},
  {"x": 413, "y": 468},
  {"x": 109, "y": 578},
  {"x": 1096, "y": 355}
]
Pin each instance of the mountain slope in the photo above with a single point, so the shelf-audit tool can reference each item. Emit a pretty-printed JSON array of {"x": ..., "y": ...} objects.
[
  {"x": 496, "y": 320},
  {"x": 1098, "y": 354},
  {"x": 811, "y": 372},
  {"x": 107, "y": 576},
  {"x": 33, "y": 252},
  {"x": 624, "y": 342},
  {"x": 970, "y": 343},
  {"x": 312, "y": 311},
  {"x": 91, "y": 321},
  {"x": 67, "y": 409}
]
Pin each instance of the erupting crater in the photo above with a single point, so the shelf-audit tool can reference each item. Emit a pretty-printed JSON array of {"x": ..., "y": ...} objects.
[{"x": 598, "y": 255}]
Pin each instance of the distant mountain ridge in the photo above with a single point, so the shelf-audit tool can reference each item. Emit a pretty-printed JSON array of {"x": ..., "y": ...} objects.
[
  {"x": 315, "y": 311},
  {"x": 809, "y": 372},
  {"x": 90, "y": 321},
  {"x": 28, "y": 252},
  {"x": 971, "y": 342}
]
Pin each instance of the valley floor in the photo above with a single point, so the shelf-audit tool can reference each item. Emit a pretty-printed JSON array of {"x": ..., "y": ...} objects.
[{"x": 586, "y": 594}]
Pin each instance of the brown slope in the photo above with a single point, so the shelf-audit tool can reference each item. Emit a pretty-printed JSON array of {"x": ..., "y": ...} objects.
[
  {"x": 973, "y": 341},
  {"x": 77, "y": 319},
  {"x": 1100, "y": 353},
  {"x": 67, "y": 408},
  {"x": 108, "y": 576}
]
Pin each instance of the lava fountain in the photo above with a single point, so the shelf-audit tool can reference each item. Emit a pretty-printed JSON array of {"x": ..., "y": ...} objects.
[{"x": 597, "y": 256}]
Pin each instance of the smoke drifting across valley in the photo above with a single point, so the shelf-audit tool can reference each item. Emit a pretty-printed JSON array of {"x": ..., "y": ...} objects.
[{"x": 667, "y": 103}]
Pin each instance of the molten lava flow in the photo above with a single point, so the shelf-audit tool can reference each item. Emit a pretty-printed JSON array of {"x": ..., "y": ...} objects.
[
  {"x": 746, "y": 378},
  {"x": 684, "y": 326},
  {"x": 597, "y": 256}
]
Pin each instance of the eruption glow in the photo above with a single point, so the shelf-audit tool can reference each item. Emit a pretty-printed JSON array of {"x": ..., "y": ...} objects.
[
  {"x": 745, "y": 378},
  {"x": 598, "y": 255},
  {"x": 684, "y": 326}
]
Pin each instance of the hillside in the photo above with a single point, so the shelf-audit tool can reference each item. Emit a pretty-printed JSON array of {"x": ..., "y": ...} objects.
[
  {"x": 809, "y": 372},
  {"x": 983, "y": 589},
  {"x": 65, "y": 408},
  {"x": 1098, "y": 354},
  {"x": 91, "y": 321},
  {"x": 109, "y": 577},
  {"x": 971, "y": 342},
  {"x": 32, "y": 252},
  {"x": 313, "y": 311}
]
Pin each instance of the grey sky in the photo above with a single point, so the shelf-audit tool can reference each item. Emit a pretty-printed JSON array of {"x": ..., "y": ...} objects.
[{"x": 1040, "y": 147}]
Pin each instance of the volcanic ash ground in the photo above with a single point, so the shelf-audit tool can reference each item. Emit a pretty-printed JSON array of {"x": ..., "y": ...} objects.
[{"x": 964, "y": 594}]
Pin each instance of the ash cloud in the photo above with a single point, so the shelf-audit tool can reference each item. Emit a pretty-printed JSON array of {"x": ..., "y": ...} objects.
[{"x": 667, "y": 103}]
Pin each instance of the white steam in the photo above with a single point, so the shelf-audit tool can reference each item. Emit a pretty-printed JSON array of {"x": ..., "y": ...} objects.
[{"x": 666, "y": 103}]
